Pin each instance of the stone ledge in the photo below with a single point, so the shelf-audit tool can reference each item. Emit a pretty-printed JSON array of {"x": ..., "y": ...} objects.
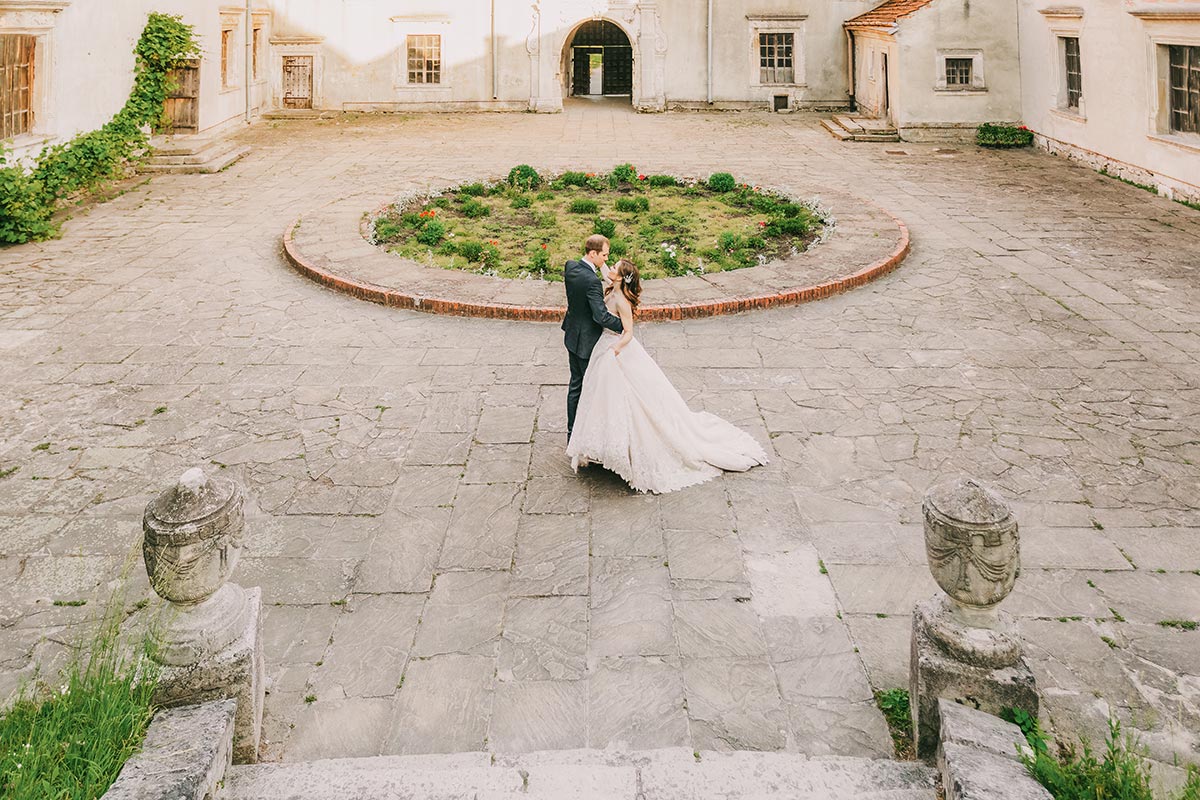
[
  {"x": 866, "y": 243},
  {"x": 977, "y": 757},
  {"x": 184, "y": 757}
]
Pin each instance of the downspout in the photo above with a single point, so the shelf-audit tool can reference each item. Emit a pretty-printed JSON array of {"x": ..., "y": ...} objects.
[
  {"x": 851, "y": 67},
  {"x": 495, "y": 76},
  {"x": 249, "y": 57},
  {"x": 709, "y": 60}
]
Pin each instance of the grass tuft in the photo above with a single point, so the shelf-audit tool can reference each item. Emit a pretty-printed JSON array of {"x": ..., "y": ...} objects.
[{"x": 894, "y": 703}]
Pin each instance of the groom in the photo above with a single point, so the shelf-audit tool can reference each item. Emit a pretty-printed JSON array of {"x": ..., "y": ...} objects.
[{"x": 586, "y": 315}]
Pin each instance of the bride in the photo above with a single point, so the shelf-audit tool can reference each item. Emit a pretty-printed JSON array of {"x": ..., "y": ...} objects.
[{"x": 633, "y": 421}]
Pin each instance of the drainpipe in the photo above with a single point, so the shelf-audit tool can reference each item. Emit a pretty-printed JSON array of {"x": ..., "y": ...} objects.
[
  {"x": 249, "y": 57},
  {"x": 495, "y": 76},
  {"x": 851, "y": 68},
  {"x": 710, "y": 52}
]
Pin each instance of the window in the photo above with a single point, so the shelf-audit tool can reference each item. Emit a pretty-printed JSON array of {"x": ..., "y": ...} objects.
[
  {"x": 254, "y": 52},
  {"x": 16, "y": 85},
  {"x": 775, "y": 58},
  {"x": 958, "y": 72},
  {"x": 1185, "y": 88},
  {"x": 1074, "y": 72},
  {"x": 226, "y": 58},
  {"x": 425, "y": 59}
]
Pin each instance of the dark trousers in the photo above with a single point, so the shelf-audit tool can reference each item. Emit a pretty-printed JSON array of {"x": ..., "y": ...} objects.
[{"x": 574, "y": 389}]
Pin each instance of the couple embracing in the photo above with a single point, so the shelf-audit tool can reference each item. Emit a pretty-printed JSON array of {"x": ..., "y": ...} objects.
[{"x": 622, "y": 411}]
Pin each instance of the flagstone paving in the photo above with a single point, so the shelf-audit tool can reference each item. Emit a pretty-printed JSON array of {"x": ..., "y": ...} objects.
[{"x": 437, "y": 579}]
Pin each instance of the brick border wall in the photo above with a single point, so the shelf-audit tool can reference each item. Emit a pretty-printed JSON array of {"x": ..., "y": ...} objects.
[{"x": 398, "y": 298}]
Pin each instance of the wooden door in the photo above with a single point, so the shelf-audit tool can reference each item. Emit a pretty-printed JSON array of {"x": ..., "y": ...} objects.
[
  {"x": 16, "y": 84},
  {"x": 887, "y": 91},
  {"x": 182, "y": 106},
  {"x": 581, "y": 71},
  {"x": 297, "y": 81}
]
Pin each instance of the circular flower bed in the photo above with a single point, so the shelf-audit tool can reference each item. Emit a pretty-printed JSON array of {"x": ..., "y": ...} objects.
[{"x": 529, "y": 225}]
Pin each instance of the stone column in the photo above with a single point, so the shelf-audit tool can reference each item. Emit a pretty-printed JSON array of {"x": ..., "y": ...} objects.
[
  {"x": 963, "y": 647},
  {"x": 207, "y": 635}
]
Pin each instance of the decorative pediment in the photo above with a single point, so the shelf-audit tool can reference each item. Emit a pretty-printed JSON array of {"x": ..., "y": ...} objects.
[
  {"x": 1062, "y": 12},
  {"x": 1157, "y": 12},
  {"x": 30, "y": 15}
]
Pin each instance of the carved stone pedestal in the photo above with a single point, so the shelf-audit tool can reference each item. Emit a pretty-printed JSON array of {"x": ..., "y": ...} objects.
[
  {"x": 963, "y": 648},
  {"x": 207, "y": 636},
  {"x": 989, "y": 676}
]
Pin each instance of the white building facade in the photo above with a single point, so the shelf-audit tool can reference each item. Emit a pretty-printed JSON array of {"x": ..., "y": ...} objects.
[{"x": 1114, "y": 83}]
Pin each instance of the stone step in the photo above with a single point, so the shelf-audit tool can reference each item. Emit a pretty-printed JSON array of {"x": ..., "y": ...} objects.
[
  {"x": 835, "y": 130},
  {"x": 849, "y": 123},
  {"x": 213, "y": 159},
  {"x": 669, "y": 774}
]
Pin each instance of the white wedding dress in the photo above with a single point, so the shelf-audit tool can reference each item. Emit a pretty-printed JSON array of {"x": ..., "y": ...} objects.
[{"x": 633, "y": 421}]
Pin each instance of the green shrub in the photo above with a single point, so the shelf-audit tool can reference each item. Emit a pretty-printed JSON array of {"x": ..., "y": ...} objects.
[
  {"x": 662, "y": 180},
  {"x": 490, "y": 256},
  {"x": 71, "y": 744},
  {"x": 1003, "y": 136},
  {"x": 604, "y": 227},
  {"x": 524, "y": 177},
  {"x": 546, "y": 219},
  {"x": 475, "y": 209},
  {"x": 788, "y": 226},
  {"x": 624, "y": 173},
  {"x": 721, "y": 182},
  {"x": 539, "y": 258},
  {"x": 545, "y": 194},
  {"x": 446, "y": 248},
  {"x": 632, "y": 204},
  {"x": 441, "y": 202},
  {"x": 521, "y": 201},
  {"x": 617, "y": 248},
  {"x": 894, "y": 703},
  {"x": 471, "y": 250},
  {"x": 573, "y": 179},
  {"x": 432, "y": 233},
  {"x": 598, "y": 183},
  {"x": 387, "y": 230},
  {"x": 25, "y": 210},
  {"x": 729, "y": 241},
  {"x": 473, "y": 190},
  {"x": 582, "y": 205}
]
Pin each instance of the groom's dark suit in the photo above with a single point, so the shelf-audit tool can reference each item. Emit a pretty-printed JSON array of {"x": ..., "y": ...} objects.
[{"x": 586, "y": 317}]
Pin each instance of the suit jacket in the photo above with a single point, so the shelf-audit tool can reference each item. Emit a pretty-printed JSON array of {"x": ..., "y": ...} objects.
[{"x": 587, "y": 315}]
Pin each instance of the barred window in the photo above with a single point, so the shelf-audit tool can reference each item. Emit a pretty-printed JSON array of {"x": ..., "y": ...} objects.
[
  {"x": 257, "y": 41},
  {"x": 958, "y": 71},
  {"x": 1074, "y": 72},
  {"x": 1185, "y": 88},
  {"x": 425, "y": 59},
  {"x": 16, "y": 85},
  {"x": 775, "y": 58}
]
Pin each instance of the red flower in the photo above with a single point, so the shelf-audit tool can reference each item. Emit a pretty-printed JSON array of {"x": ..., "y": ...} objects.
[
  {"x": 1023, "y": 128},
  {"x": 494, "y": 242},
  {"x": 745, "y": 186},
  {"x": 543, "y": 246},
  {"x": 762, "y": 224},
  {"x": 641, "y": 177},
  {"x": 591, "y": 175}
]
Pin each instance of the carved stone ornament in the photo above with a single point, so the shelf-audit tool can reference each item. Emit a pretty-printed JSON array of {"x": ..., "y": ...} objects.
[
  {"x": 972, "y": 543},
  {"x": 192, "y": 540}
]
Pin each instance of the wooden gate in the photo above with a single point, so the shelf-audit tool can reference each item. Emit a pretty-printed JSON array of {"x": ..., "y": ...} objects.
[
  {"x": 16, "y": 84},
  {"x": 182, "y": 106},
  {"x": 297, "y": 81}
]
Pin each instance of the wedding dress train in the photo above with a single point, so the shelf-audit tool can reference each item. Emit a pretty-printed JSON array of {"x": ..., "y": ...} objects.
[{"x": 633, "y": 421}]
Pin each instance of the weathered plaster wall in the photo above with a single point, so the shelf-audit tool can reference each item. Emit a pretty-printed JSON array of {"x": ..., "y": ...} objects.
[
  {"x": 85, "y": 68},
  {"x": 983, "y": 29},
  {"x": 1121, "y": 124}
]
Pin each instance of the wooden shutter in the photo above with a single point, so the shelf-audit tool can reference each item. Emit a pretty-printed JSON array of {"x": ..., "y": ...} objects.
[{"x": 16, "y": 84}]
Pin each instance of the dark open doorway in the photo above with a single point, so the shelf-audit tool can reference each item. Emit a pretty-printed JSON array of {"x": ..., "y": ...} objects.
[{"x": 601, "y": 60}]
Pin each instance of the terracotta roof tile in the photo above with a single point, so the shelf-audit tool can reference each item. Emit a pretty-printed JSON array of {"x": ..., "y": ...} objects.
[{"x": 887, "y": 14}]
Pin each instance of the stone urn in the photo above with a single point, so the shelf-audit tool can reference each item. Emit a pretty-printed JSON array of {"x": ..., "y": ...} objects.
[
  {"x": 963, "y": 647},
  {"x": 192, "y": 539}
]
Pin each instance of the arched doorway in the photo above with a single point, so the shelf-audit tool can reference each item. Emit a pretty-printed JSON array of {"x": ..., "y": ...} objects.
[{"x": 599, "y": 61}]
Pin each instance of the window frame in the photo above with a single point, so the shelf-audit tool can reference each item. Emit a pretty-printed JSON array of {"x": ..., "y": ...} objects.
[
  {"x": 423, "y": 67},
  {"x": 1073, "y": 90},
  {"x": 976, "y": 84},
  {"x": 775, "y": 46},
  {"x": 1190, "y": 89}
]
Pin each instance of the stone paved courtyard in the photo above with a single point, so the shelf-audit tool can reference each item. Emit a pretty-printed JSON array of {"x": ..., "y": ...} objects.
[{"x": 436, "y": 578}]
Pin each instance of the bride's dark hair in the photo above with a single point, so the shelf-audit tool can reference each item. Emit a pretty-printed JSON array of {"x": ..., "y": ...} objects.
[{"x": 630, "y": 281}]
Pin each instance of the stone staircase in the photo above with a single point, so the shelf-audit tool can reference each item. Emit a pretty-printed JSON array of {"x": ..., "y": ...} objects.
[
  {"x": 668, "y": 774},
  {"x": 192, "y": 154},
  {"x": 854, "y": 128}
]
